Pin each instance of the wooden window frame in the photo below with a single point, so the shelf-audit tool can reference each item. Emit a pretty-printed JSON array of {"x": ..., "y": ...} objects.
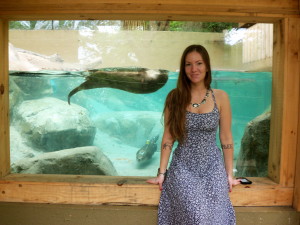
[{"x": 279, "y": 189}]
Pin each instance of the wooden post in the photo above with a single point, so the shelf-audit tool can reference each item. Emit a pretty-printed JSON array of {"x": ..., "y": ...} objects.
[
  {"x": 296, "y": 202},
  {"x": 282, "y": 158},
  {"x": 276, "y": 115},
  {"x": 290, "y": 102},
  {"x": 4, "y": 98}
]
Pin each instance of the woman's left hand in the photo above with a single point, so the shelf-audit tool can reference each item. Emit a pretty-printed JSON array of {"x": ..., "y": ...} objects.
[
  {"x": 233, "y": 182},
  {"x": 157, "y": 180}
]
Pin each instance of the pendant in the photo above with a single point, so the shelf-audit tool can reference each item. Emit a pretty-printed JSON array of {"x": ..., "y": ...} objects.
[{"x": 196, "y": 105}]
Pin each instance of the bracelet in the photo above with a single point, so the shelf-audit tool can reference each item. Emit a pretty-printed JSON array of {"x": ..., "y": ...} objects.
[{"x": 159, "y": 173}]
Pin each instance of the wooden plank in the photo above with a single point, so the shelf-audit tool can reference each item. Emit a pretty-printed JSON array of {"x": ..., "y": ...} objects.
[
  {"x": 171, "y": 10},
  {"x": 277, "y": 100},
  {"x": 123, "y": 190},
  {"x": 161, "y": 16},
  {"x": 296, "y": 202},
  {"x": 285, "y": 95},
  {"x": 4, "y": 99},
  {"x": 290, "y": 103},
  {"x": 269, "y": 6},
  {"x": 142, "y": 7}
]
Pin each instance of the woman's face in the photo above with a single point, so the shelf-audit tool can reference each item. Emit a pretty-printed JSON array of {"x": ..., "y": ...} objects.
[{"x": 195, "y": 67}]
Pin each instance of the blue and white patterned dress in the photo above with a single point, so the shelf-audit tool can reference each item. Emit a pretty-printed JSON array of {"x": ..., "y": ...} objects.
[{"x": 195, "y": 191}]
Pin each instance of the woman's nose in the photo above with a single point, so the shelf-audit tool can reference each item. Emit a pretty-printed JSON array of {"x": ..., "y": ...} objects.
[{"x": 194, "y": 68}]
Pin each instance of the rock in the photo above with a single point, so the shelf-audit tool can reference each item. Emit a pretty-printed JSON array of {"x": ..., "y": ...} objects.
[
  {"x": 51, "y": 124},
  {"x": 24, "y": 60},
  {"x": 19, "y": 148},
  {"x": 253, "y": 156},
  {"x": 130, "y": 127},
  {"x": 16, "y": 62},
  {"x": 77, "y": 161}
]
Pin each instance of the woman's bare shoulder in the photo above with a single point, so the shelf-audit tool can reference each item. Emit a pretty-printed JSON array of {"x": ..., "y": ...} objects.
[{"x": 220, "y": 94}]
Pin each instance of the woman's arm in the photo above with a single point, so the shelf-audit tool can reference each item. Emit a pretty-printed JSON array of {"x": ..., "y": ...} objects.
[
  {"x": 226, "y": 135},
  {"x": 166, "y": 149}
]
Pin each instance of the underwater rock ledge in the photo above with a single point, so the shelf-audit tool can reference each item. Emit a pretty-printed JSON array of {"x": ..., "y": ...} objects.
[
  {"x": 253, "y": 156},
  {"x": 88, "y": 160},
  {"x": 51, "y": 124}
]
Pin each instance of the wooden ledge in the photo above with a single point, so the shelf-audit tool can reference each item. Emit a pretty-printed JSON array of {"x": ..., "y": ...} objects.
[{"x": 99, "y": 190}]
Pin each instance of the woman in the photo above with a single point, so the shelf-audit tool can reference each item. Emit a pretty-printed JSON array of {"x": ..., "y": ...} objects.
[{"x": 195, "y": 187}]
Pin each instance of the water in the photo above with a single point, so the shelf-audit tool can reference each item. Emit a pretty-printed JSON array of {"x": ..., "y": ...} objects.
[{"x": 125, "y": 121}]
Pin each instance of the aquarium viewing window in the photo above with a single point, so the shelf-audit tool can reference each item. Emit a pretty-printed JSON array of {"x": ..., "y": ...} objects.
[
  {"x": 64, "y": 119},
  {"x": 280, "y": 188}
]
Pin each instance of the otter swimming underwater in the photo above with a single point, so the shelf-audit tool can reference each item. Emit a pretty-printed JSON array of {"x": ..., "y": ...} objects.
[{"x": 132, "y": 79}]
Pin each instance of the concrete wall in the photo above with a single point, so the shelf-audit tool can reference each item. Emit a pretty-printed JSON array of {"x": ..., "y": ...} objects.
[
  {"x": 151, "y": 49},
  {"x": 47, "y": 214}
]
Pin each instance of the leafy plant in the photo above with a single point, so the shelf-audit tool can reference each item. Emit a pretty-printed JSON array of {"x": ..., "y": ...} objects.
[{"x": 188, "y": 26}]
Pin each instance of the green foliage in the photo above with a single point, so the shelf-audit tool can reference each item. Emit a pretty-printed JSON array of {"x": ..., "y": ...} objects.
[
  {"x": 187, "y": 26},
  {"x": 16, "y": 25},
  {"x": 217, "y": 27},
  {"x": 201, "y": 26},
  {"x": 176, "y": 25},
  {"x": 22, "y": 25}
]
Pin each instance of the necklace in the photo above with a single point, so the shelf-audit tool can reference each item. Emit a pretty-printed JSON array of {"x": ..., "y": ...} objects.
[{"x": 196, "y": 105}]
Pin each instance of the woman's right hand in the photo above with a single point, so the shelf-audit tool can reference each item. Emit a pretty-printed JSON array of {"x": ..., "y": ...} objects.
[{"x": 157, "y": 180}]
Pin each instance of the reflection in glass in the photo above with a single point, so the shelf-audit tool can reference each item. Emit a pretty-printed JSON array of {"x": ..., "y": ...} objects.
[{"x": 112, "y": 126}]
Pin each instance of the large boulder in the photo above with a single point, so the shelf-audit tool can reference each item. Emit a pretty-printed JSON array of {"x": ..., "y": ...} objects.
[
  {"x": 253, "y": 156},
  {"x": 51, "y": 124},
  {"x": 78, "y": 161},
  {"x": 24, "y": 60},
  {"x": 19, "y": 148}
]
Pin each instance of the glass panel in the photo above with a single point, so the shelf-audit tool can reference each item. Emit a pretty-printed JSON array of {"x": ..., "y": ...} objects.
[{"x": 113, "y": 126}]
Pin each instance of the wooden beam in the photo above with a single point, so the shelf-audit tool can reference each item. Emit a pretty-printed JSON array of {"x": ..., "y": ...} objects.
[
  {"x": 163, "y": 16},
  {"x": 285, "y": 100},
  {"x": 296, "y": 202},
  {"x": 243, "y": 10},
  {"x": 123, "y": 6},
  {"x": 277, "y": 101},
  {"x": 290, "y": 103},
  {"x": 4, "y": 99},
  {"x": 66, "y": 189}
]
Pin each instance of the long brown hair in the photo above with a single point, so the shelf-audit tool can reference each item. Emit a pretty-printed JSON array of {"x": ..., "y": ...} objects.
[{"x": 180, "y": 97}]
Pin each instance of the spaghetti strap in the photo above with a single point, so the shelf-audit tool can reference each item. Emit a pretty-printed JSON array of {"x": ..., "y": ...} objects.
[{"x": 214, "y": 98}]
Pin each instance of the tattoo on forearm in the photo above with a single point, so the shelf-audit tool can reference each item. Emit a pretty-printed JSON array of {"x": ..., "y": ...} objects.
[
  {"x": 227, "y": 146},
  {"x": 167, "y": 145}
]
